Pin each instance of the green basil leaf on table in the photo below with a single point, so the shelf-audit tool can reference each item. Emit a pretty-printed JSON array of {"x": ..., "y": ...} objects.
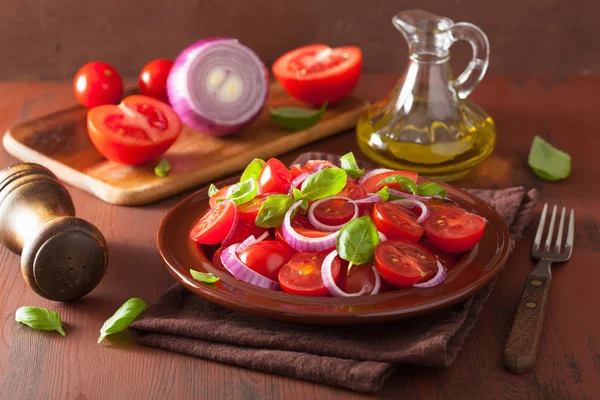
[
  {"x": 404, "y": 182},
  {"x": 349, "y": 165},
  {"x": 244, "y": 191},
  {"x": 384, "y": 194},
  {"x": 547, "y": 161},
  {"x": 212, "y": 190},
  {"x": 40, "y": 319},
  {"x": 297, "y": 119},
  {"x": 430, "y": 189},
  {"x": 273, "y": 210},
  {"x": 357, "y": 240},
  {"x": 324, "y": 183},
  {"x": 253, "y": 170},
  {"x": 123, "y": 317},
  {"x": 163, "y": 168},
  {"x": 204, "y": 277}
]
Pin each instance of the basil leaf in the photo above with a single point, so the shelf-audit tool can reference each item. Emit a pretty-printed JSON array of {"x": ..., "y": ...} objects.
[
  {"x": 212, "y": 190},
  {"x": 297, "y": 119},
  {"x": 384, "y": 194},
  {"x": 123, "y": 317},
  {"x": 253, "y": 170},
  {"x": 349, "y": 165},
  {"x": 357, "y": 241},
  {"x": 273, "y": 210},
  {"x": 324, "y": 183},
  {"x": 430, "y": 189},
  {"x": 404, "y": 182},
  {"x": 163, "y": 168},
  {"x": 204, "y": 277},
  {"x": 244, "y": 191},
  {"x": 40, "y": 319},
  {"x": 547, "y": 161},
  {"x": 297, "y": 194}
]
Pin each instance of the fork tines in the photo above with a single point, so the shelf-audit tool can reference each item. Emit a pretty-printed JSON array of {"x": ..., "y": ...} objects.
[{"x": 547, "y": 250}]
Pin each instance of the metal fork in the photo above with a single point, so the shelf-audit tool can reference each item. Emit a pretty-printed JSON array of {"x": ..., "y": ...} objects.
[{"x": 521, "y": 349}]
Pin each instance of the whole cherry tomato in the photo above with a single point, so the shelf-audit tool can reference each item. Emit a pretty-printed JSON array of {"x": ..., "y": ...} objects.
[
  {"x": 98, "y": 83},
  {"x": 153, "y": 79}
]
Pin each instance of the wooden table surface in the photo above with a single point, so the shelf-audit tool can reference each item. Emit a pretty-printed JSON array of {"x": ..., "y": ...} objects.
[{"x": 44, "y": 365}]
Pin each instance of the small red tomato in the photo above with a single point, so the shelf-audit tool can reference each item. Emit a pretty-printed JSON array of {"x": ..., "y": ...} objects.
[
  {"x": 274, "y": 177},
  {"x": 98, "y": 83},
  {"x": 153, "y": 79}
]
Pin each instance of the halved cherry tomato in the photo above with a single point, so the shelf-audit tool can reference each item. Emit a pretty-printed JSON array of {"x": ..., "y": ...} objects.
[
  {"x": 314, "y": 165},
  {"x": 242, "y": 231},
  {"x": 221, "y": 194},
  {"x": 334, "y": 212},
  {"x": 250, "y": 209},
  {"x": 215, "y": 224},
  {"x": 98, "y": 83},
  {"x": 303, "y": 226},
  {"x": 360, "y": 276},
  {"x": 396, "y": 222},
  {"x": 267, "y": 257},
  {"x": 448, "y": 260},
  {"x": 403, "y": 263},
  {"x": 436, "y": 204},
  {"x": 454, "y": 230},
  {"x": 317, "y": 73},
  {"x": 274, "y": 178},
  {"x": 136, "y": 131},
  {"x": 153, "y": 79},
  {"x": 372, "y": 185},
  {"x": 296, "y": 171},
  {"x": 302, "y": 274}
]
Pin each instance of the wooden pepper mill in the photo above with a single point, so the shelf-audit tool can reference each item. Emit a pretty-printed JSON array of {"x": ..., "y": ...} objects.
[{"x": 62, "y": 257}]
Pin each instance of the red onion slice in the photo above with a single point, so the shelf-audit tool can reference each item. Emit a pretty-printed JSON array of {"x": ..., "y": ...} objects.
[
  {"x": 298, "y": 180},
  {"x": 377, "y": 286},
  {"x": 241, "y": 271},
  {"x": 412, "y": 202},
  {"x": 371, "y": 198},
  {"x": 382, "y": 237},
  {"x": 321, "y": 226},
  {"x": 235, "y": 222},
  {"x": 372, "y": 173},
  {"x": 244, "y": 245},
  {"x": 329, "y": 282},
  {"x": 408, "y": 195},
  {"x": 439, "y": 277},
  {"x": 217, "y": 86},
  {"x": 303, "y": 243}
]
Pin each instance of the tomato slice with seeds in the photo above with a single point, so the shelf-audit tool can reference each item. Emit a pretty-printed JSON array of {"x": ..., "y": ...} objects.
[
  {"x": 373, "y": 185},
  {"x": 136, "y": 131},
  {"x": 403, "y": 263},
  {"x": 396, "y": 222},
  {"x": 249, "y": 210},
  {"x": 454, "y": 230},
  {"x": 215, "y": 224},
  {"x": 267, "y": 257},
  {"x": 302, "y": 274}
]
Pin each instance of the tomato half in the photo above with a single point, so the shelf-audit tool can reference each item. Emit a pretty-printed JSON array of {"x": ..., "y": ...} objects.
[
  {"x": 302, "y": 274},
  {"x": 303, "y": 226},
  {"x": 153, "y": 79},
  {"x": 274, "y": 178},
  {"x": 436, "y": 204},
  {"x": 97, "y": 83},
  {"x": 360, "y": 276},
  {"x": 215, "y": 224},
  {"x": 396, "y": 222},
  {"x": 221, "y": 194},
  {"x": 454, "y": 230},
  {"x": 267, "y": 257},
  {"x": 403, "y": 263},
  {"x": 249, "y": 210},
  {"x": 317, "y": 73},
  {"x": 372, "y": 184},
  {"x": 242, "y": 231},
  {"x": 334, "y": 212},
  {"x": 136, "y": 131},
  {"x": 314, "y": 165}
]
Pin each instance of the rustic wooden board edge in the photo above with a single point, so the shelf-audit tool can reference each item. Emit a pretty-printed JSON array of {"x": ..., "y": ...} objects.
[{"x": 179, "y": 183}]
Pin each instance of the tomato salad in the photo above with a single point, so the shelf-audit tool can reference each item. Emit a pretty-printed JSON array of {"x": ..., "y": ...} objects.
[{"x": 319, "y": 229}]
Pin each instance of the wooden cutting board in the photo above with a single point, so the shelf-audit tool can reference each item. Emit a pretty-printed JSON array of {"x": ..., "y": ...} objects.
[{"x": 60, "y": 142}]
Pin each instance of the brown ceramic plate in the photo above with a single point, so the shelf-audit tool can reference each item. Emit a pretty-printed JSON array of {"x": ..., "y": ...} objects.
[{"x": 472, "y": 273}]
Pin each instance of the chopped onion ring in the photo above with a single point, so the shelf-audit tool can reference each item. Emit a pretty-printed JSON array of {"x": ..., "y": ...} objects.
[
  {"x": 329, "y": 282},
  {"x": 321, "y": 226},
  {"x": 372, "y": 173},
  {"x": 371, "y": 198},
  {"x": 241, "y": 271},
  {"x": 235, "y": 222},
  {"x": 439, "y": 277},
  {"x": 298, "y": 180},
  {"x": 303, "y": 243}
]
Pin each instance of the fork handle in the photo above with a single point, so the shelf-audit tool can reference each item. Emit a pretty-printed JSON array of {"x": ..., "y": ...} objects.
[{"x": 521, "y": 349}]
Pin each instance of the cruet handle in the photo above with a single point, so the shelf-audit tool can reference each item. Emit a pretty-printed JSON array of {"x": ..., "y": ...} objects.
[{"x": 477, "y": 67}]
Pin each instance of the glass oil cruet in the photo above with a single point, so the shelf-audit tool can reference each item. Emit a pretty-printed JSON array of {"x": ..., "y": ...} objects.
[{"x": 427, "y": 124}]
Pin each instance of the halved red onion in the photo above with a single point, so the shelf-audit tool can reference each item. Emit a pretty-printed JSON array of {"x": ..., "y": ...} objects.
[
  {"x": 217, "y": 86},
  {"x": 303, "y": 243},
  {"x": 298, "y": 180},
  {"x": 329, "y": 282},
  {"x": 241, "y": 271},
  {"x": 235, "y": 222},
  {"x": 372, "y": 173},
  {"x": 439, "y": 277},
  {"x": 408, "y": 195},
  {"x": 371, "y": 198},
  {"x": 412, "y": 202},
  {"x": 321, "y": 226}
]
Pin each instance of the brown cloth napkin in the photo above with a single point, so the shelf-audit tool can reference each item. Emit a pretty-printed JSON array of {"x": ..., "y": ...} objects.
[{"x": 359, "y": 358}]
